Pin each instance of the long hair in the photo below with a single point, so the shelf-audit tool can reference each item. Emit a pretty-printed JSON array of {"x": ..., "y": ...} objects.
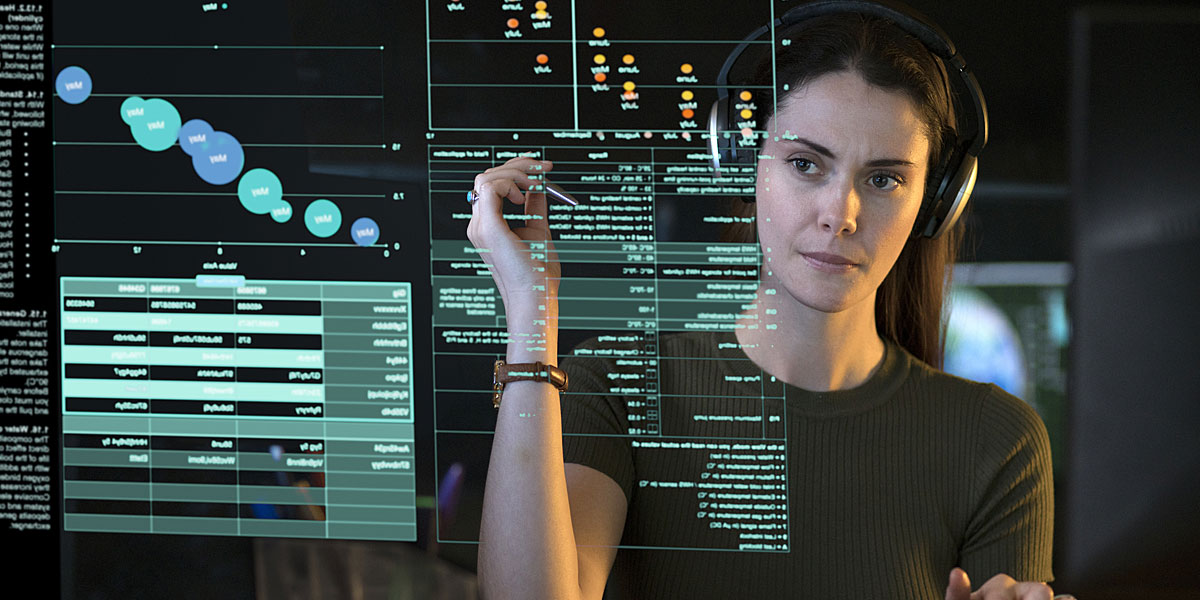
[{"x": 909, "y": 303}]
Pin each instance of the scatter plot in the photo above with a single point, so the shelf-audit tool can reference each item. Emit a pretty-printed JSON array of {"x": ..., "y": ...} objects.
[{"x": 212, "y": 141}]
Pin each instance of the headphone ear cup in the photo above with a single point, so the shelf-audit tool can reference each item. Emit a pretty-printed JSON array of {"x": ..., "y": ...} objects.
[
  {"x": 959, "y": 186},
  {"x": 934, "y": 185},
  {"x": 723, "y": 141},
  {"x": 721, "y": 153},
  {"x": 946, "y": 193}
]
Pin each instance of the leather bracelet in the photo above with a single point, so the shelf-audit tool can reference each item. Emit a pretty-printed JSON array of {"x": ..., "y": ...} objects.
[{"x": 503, "y": 373}]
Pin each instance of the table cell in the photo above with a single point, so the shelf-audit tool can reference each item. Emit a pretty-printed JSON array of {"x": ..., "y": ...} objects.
[
  {"x": 367, "y": 360},
  {"x": 195, "y": 525},
  {"x": 374, "y": 531},
  {"x": 366, "y": 309},
  {"x": 106, "y": 490},
  {"x": 100, "y": 522}
]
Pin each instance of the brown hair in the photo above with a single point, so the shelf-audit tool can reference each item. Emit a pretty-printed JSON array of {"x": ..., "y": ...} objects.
[{"x": 909, "y": 302}]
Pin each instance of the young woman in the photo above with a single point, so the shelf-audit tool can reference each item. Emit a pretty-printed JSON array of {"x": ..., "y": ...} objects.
[{"x": 902, "y": 480}]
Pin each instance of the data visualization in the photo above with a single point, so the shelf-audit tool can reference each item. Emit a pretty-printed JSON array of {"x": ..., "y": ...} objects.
[
  {"x": 226, "y": 406},
  {"x": 235, "y": 321},
  {"x": 218, "y": 135},
  {"x": 266, "y": 317},
  {"x": 569, "y": 65},
  {"x": 659, "y": 251},
  {"x": 647, "y": 254}
]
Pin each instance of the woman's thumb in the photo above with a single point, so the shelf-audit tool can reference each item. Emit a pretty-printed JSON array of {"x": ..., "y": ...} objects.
[{"x": 959, "y": 586}]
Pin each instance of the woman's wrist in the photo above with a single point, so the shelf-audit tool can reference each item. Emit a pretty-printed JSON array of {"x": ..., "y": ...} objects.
[
  {"x": 533, "y": 331},
  {"x": 533, "y": 346}
]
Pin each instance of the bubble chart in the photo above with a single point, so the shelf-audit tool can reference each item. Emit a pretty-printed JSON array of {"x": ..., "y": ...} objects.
[
  {"x": 154, "y": 123},
  {"x": 217, "y": 157},
  {"x": 73, "y": 85},
  {"x": 323, "y": 218},
  {"x": 364, "y": 231}
]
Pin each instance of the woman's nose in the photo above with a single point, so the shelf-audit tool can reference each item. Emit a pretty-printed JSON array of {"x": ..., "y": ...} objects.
[{"x": 839, "y": 209}]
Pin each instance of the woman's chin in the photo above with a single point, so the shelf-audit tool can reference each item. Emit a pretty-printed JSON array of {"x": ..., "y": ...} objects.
[{"x": 831, "y": 299}]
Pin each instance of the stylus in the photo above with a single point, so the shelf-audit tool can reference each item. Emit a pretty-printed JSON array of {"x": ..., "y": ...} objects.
[{"x": 560, "y": 194}]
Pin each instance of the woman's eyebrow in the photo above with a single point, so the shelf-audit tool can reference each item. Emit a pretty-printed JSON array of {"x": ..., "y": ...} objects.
[{"x": 822, "y": 150}]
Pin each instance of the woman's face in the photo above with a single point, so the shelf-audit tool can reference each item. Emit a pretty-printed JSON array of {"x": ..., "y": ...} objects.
[{"x": 840, "y": 180}]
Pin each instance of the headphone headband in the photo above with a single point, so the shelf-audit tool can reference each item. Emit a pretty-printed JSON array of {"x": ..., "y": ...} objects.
[{"x": 951, "y": 181}]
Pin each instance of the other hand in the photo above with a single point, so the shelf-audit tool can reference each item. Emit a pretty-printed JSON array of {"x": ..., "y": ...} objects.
[{"x": 999, "y": 587}]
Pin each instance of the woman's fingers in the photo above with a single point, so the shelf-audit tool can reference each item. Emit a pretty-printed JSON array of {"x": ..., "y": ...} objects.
[
  {"x": 536, "y": 211},
  {"x": 520, "y": 179},
  {"x": 514, "y": 267},
  {"x": 507, "y": 182},
  {"x": 524, "y": 163}
]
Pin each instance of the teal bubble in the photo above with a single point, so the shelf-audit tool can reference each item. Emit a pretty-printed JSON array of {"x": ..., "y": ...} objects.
[
  {"x": 133, "y": 110},
  {"x": 323, "y": 218},
  {"x": 154, "y": 123},
  {"x": 260, "y": 191},
  {"x": 283, "y": 212}
]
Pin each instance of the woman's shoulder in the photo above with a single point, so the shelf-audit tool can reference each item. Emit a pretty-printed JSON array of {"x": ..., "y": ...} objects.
[{"x": 986, "y": 408}]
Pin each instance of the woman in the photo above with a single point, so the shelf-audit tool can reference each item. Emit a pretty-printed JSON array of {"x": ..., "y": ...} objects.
[{"x": 901, "y": 479}]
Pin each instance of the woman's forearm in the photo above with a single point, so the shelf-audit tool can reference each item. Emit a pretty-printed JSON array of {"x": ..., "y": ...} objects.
[{"x": 527, "y": 545}]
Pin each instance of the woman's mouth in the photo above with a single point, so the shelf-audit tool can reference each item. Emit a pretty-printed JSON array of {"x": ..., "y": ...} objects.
[{"x": 828, "y": 263}]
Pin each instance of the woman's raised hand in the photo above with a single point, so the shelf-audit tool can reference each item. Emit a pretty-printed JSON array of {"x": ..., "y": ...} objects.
[{"x": 522, "y": 259}]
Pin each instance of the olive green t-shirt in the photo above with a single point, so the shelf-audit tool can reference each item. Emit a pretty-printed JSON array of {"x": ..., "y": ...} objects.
[{"x": 740, "y": 486}]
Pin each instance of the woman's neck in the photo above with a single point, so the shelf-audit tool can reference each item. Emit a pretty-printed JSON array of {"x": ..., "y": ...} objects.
[{"x": 808, "y": 348}]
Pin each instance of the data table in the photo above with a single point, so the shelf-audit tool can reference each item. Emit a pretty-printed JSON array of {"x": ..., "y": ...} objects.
[{"x": 225, "y": 406}]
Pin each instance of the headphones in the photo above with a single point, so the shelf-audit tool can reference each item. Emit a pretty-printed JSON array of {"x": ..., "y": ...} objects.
[{"x": 950, "y": 182}]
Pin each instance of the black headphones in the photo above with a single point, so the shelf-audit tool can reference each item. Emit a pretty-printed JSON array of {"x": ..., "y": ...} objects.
[{"x": 950, "y": 182}]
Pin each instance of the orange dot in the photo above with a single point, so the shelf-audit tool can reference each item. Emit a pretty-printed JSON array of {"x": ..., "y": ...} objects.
[
  {"x": 686, "y": 68},
  {"x": 629, "y": 86},
  {"x": 540, "y": 5},
  {"x": 747, "y": 113},
  {"x": 746, "y": 95},
  {"x": 688, "y": 113},
  {"x": 598, "y": 32},
  {"x": 598, "y": 59},
  {"x": 512, "y": 23},
  {"x": 600, "y": 77},
  {"x": 687, "y": 95},
  {"x": 543, "y": 59},
  {"x": 627, "y": 59},
  {"x": 630, "y": 95},
  {"x": 747, "y": 133}
]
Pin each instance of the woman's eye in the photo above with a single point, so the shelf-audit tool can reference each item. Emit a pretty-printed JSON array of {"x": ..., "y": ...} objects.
[
  {"x": 803, "y": 165},
  {"x": 885, "y": 181}
]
